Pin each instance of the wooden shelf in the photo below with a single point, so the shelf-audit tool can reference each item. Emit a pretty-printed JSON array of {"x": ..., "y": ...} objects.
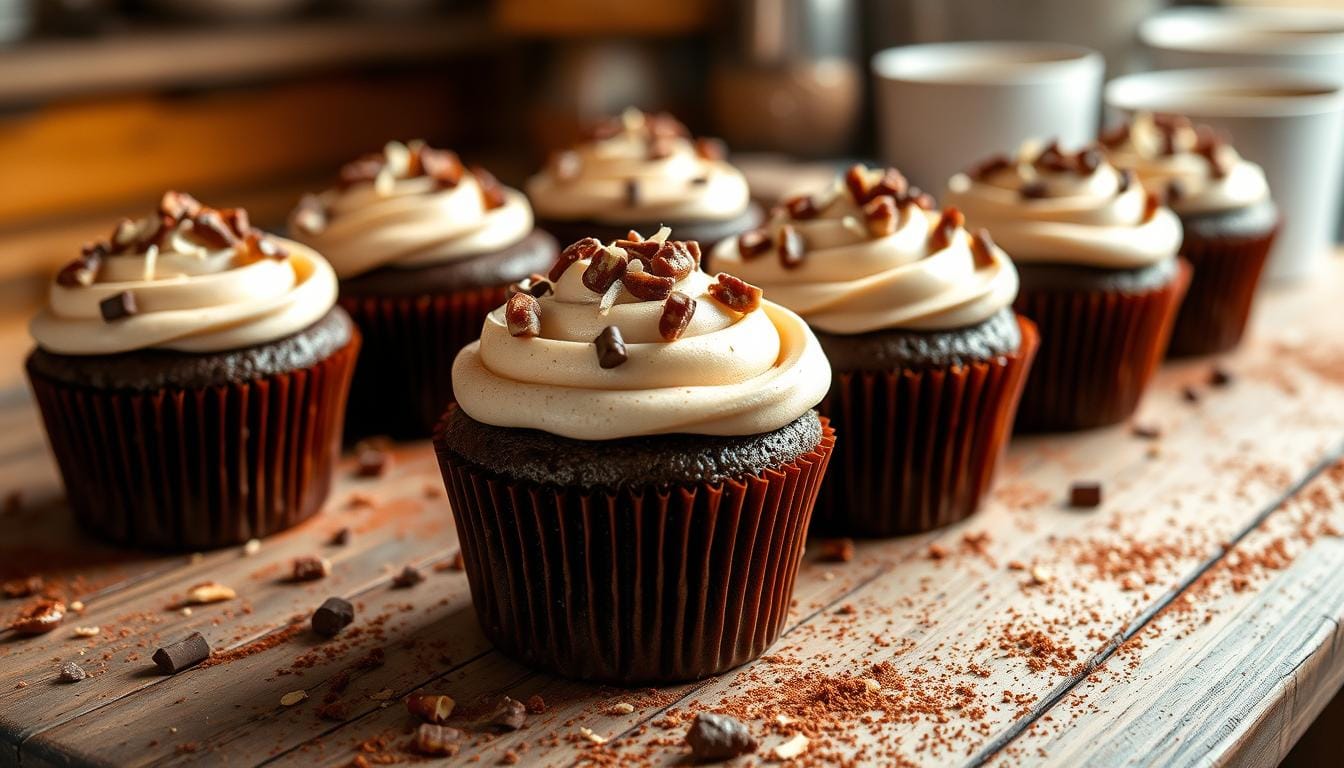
[{"x": 179, "y": 58}]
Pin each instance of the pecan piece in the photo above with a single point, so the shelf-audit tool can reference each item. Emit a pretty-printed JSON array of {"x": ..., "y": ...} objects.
[
  {"x": 178, "y": 206},
  {"x": 309, "y": 568},
  {"x": 856, "y": 181},
  {"x": 947, "y": 226},
  {"x": 1088, "y": 160},
  {"x": 361, "y": 170},
  {"x": 209, "y": 228},
  {"x": 660, "y": 147},
  {"x": 982, "y": 248},
  {"x": 310, "y": 216},
  {"x": 39, "y": 618},
  {"x": 790, "y": 247},
  {"x": 534, "y": 285},
  {"x": 1152, "y": 201},
  {"x": 640, "y": 249},
  {"x": 437, "y": 740},
  {"x": 989, "y": 166},
  {"x": 802, "y": 207},
  {"x": 710, "y": 149},
  {"x": 674, "y": 259},
  {"x": 604, "y": 268},
  {"x": 124, "y": 236},
  {"x": 441, "y": 165},
  {"x": 431, "y": 708},
  {"x": 492, "y": 192},
  {"x": 753, "y": 243},
  {"x": 734, "y": 293},
  {"x": 1034, "y": 190},
  {"x": 574, "y": 252},
  {"x": 523, "y": 315},
  {"x": 509, "y": 715},
  {"x": 610, "y": 347},
  {"x": 647, "y": 287},
  {"x": 1052, "y": 159},
  {"x": 82, "y": 272},
  {"x": 118, "y": 306},
  {"x": 880, "y": 216},
  {"x": 892, "y": 182},
  {"x": 677, "y": 313},
  {"x": 237, "y": 220}
]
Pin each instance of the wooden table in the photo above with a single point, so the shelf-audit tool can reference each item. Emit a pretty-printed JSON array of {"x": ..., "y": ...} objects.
[{"x": 1193, "y": 618}]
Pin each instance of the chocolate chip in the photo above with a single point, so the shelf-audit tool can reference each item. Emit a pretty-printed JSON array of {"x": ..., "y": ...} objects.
[
  {"x": 118, "y": 306},
  {"x": 948, "y": 224},
  {"x": 631, "y": 192},
  {"x": 572, "y": 254},
  {"x": 1220, "y": 377},
  {"x": 437, "y": 740},
  {"x": 492, "y": 192},
  {"x": 640, "y": 249},
  {"x": 522, "y": 313},
  {"x": 802, "y": 207},
  {"x": 735, "y": 293},
  {"x": 674, "y": 259},
  {"x": 508, "y": 715},
  {"x": 714, "y": 737},
  {"x": 753, "y": 243},
  {"x": 1085, "y": 495},
  {"x": 1034, "y": 190},
  {"x": 610, "y": 347},
  {"x": 605, "y": 267},
  {"x": 342, "y": 537},
  {"x": 982, "y": 249},
  {"x": 711, "y": 149},
  {"x": 72, "y": 673},
  {"x": 309, "y": 568},
  {"x": 332, "y": 616},
  {"x": 790, "y": 247},
  {"x": 677, "y": 313},
  {"x": 647, "y": 287},
  {"x": 408, "y": 577},
  {"x": 880, "y": 216},
  {"x": 187, "y": 652}
]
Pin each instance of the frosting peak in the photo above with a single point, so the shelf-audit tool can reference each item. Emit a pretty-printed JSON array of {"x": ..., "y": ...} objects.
[
  {"x": 869, "y": 253},
  {"x": 640, "y": 167},
  {"x": 631, "y": 339},
  {"x": 410, "y": 206},
  {"x": 1197, "y": 170},
  {"x": 1046, "y": 205},
  {"x": 188, "y": 278}
]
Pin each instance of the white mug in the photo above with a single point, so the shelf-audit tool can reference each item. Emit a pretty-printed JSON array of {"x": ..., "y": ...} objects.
[
  {"x": 942, "y": 107},
  {"x": 1286, "y": 122}
]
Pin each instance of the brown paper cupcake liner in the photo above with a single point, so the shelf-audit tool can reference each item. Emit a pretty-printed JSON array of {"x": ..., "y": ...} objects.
[
  {"x": 1218, "y": 303},
  {"x": 918, "y": 446},
  {"x": 642, "y": 585},
  {"x": 189, "y": 469},
  {"x": 1098, "y": 351},
  {"x": 404, "y": 379}
]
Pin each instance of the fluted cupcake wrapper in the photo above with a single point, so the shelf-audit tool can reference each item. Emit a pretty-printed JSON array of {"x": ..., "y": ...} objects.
[
  {"x": 1218, "y": 303},
  {"x": 189, "y": 469},
  {"x": 1098, "y": 351},
  {"x": 404, "y": 379},
  {"x": 642, "y": 585},
  {"x": 918, "y": 446}
]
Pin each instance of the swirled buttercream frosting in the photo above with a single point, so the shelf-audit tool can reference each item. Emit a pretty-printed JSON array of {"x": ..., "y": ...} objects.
[
  {"x": 640, "y": 167},
  {"x": 410, "y": 206},
  {"x": 1048, "y": 206},
  {"x": 631, "y": 338},
  {"x": 187, "y": 278},
  {"x": 869, "y": 254},
  {"x": 1192, "y": 165}
]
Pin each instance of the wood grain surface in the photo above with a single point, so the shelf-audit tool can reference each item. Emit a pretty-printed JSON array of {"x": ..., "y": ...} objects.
[{"x": 1192, "y": 619}]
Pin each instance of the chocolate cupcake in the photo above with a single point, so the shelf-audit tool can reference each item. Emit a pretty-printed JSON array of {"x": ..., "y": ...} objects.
[
  {"x": 192, "y": 375},
  {"x": 642, "y": 172},
  {"x": 1228, "y": 218},
  {"x": 424, "y": 248},
  {"x": 632, "y": 463},
  {"x": 929, "y": 359},
  {"x": 1096, "y": 254}
]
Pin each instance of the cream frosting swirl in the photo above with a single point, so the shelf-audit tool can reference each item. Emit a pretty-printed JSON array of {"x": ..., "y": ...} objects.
[
  {"x": 729, "y": 372},
  {"x": 410, "y": 206},
  {"x": 189, "y": 279},
  {"x": 1192, "y": 166},
  {"x": 864, "y": 265},
  {"x": 1047, "y": 206},
  {"x": 640, "y": 167}
]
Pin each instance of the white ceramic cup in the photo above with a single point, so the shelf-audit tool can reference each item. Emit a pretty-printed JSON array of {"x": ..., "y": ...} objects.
[
  {"x": 944, "y": 106},
  {"x": 1287, "y": 122}
]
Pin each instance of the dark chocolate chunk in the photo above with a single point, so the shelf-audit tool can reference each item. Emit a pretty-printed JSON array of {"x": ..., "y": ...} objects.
[
  {"x": 118, "y": 306},
  {"x": 342, "y": 537},
  {"x": 408, "y": 577},
  {"x": 1034, "y": 190},
  {"x": 309, "y": 568},
  {"x": 989, "y": 166},
  {"x": 1085, "y": 494},
  {"x": 610, "y": 347},
  {"x": 714, "y": 737},
  {"x": 802, "y": 207},
  {"x": 332, "y": 616},
  {"x": 1220, "y": 377},
  {"x": 187, "y": 652},
  {"x": 632, "y": 192},
  {"x": 72, "y": 673},
  {"x": 509, "y": 715}
]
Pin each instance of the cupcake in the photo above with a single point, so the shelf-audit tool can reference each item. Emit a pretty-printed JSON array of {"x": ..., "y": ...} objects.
[
  {"x": 192, "y": 374},
  {"x": 1096, "y": 254},
  {"x": 632, "y": 462},
  {"x": 1226, "y": 213},
  {"x": 915, "y": 316},
  {"x": 641, "y": 172},
  {"x": 424, "y": 249}
]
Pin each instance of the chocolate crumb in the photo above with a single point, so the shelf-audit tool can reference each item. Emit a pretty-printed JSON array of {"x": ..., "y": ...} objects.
[
  {"x": 535, "y": 704},
  {"x": 836, "y": 550},
  {"x": 332, "y": 616},
  {"x": 408, "y": 577},
  {"x": 610, "y": 347},
  {"x": 370, "y": 459},
  {"x": 1220, "y": 377},
  {"x": 1085, "y": 494},
  {"x": 1190, "y": 394},
  {"x": 522, "y": 314},
  {"x": 342, "y": 537},
  {"x": 677, "y": 313},
  {"x": 72, "y": 673},
  {"x": 1146, "y": 431},
  {"x": 309, "y": 568},
  {"x": 714, "y": 737}
]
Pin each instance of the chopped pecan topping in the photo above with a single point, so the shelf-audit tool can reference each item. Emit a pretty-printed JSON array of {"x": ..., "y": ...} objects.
[
  {"x": 566, "y": 165},
  {"x": 361, "y": 170},
  {"x": 880, "y": 216},
  {"x": 1052, "y": 159},
  {"x": 647, "y": 287},
  {"x": 753, "y": 244},
  {"x": 640, "y": 248},
  {"x": 1126, "y": 181},
  {"x": 605, "y": 267},
  {"x": 441, "y": 165},
  {"x": 734, "y": 293},
  {"x": 492, "y": 192},
  {"x": 1114, "y": 137},
  {"x": 431, "y": 708},
  {"x": 610, "y": 347},
  {"x": 1209, "y": 146},
  {"x": 713, "y": 150},
  {"x": 663, "y": 124},
  {"x": 118, "y": 306},
  {"x": 523, "y": 315},
  {"x": 677, "y": 313},
  {"x": 982, "y": 248},
  {"x": 82, "y": 271},
  {"x": 178, "y": 206},
  {"x": 856, "y": 181},
  {"x": 1089, "y": 160},
  {"x": 675, "y": 259},
  {"x": 1152, "y": 201},
  {"x": 1034, "y": 190},
  {"x": 790, "y": 247},
  {"x": 947, "y": 226},
  {"x": 209, "y": 228},
  {"x": 237, "y": 220},
  {"x": 573, "y": 253},
  {"x": 892, "y": 182},
  {"x": 802, "y": 207},
  {"x": 989, "y": 166}
]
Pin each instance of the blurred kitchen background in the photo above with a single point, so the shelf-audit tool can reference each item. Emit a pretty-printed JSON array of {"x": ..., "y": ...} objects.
[{"x": 105, "y": 103}]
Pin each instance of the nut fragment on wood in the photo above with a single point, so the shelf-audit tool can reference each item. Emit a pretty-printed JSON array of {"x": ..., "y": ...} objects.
[
  {"x": 430, "y": 707},
  {"x": 87, "y": 631},
  {"x": 792, "y": 748},
  {"x": 71, "y": 673},
  {"x": 714, "y": 737},
  {"x": 836, "y": 550},
  {"x": 309, "y": 568},
  {"x": 39, "y": 618},
  {"x": 588, "y": 734},
  {"x": 508, "y": 715},
  {"x": 437, "y": 740},
  {"x": 209, "y": 592},
  {"x": 409, "y": 576},
  {"x": 292, "y": 698}
]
